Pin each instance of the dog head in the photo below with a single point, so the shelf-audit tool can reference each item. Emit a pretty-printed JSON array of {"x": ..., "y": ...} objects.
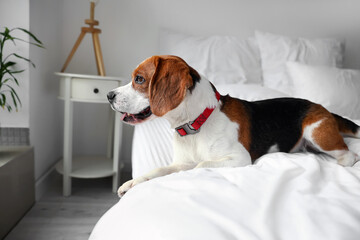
[{"x": 159, "y": 84}]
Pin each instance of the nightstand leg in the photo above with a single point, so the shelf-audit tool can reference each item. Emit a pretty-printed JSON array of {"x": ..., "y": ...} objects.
[
  {"x": 68, "y": 126},
  {"x": 110, "y": 141},
  {"x": 117, "y": 146}
]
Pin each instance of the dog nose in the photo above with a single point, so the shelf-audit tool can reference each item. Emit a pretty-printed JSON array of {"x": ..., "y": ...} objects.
[{"x": 110, "y": 96}]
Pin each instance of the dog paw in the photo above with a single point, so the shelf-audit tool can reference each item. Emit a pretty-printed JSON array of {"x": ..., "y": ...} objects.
[
  {"x": 129, "y": 184},
  {"x": 125, "y": 187}
]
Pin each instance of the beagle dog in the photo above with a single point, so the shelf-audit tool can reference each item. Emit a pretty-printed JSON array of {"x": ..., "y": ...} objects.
[{"x": 221, "y": 131}]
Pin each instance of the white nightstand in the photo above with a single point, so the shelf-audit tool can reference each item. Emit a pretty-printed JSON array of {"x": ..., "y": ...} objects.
[{"x": 90, "y": 89}]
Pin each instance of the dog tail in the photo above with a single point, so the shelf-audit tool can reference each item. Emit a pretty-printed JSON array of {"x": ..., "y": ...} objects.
[{"x": 347, "y": 127}]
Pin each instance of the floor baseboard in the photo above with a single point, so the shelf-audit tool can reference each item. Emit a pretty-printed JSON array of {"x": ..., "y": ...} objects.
[{"x": 45, "y": 182}]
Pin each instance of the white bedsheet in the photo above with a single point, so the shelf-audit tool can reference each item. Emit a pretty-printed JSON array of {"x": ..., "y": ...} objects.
[
  {"x": 155, "y": 138},
  {"x": 283, "y": 196}
]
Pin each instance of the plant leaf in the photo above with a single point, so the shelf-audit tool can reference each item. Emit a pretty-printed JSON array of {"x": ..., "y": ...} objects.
[
  {"x": 7, "y": 31},
  {"x": 7, "y": 35},
  {"x": 13, "y": 77},
  {"x": 23, "y": 58},
  {"x": 14, "y": 97},
  {"x": 32, "y": 35},
  {"x": 13, "y": 91},
  {"x": 36, "y": 44},
  {"x": 14, "y": 100},
  {"x": 17, "y": 71},
  {"x": 3, "y": 82},
  {"x": 3, "y": 99},
  {"x": 9, "y": 64}
]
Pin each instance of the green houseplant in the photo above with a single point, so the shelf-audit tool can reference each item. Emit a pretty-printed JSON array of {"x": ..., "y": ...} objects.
[{"x": 8, "y": 71}]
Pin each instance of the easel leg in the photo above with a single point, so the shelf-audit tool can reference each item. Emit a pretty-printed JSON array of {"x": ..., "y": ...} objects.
[
  {"x": 98, "y": 54},
  {"x": 73, "y": 50}
]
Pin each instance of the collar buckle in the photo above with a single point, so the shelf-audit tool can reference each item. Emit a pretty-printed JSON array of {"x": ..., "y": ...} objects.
[{"x": 186, "y": 129}]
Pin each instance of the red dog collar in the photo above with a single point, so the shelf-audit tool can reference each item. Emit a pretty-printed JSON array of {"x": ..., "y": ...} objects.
[{"x": 194, "y": 126}]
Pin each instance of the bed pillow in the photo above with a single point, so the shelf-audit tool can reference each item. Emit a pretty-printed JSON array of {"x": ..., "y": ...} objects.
[
  {"x": 276, "y": 50},
  {"x": 249, "y": 92},
  {"x": 221, "y": 59},
  {"x": 336, "y": 89}
]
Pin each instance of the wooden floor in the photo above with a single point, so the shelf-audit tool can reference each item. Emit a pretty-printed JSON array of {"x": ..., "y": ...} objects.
[{"x": 67, "y": 218}]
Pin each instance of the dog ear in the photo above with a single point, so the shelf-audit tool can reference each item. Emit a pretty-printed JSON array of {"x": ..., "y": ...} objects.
[{"x": 168, "y": 86}]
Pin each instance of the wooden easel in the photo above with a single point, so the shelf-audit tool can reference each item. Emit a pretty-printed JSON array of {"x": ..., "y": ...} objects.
[{"x": 95, "y": 36}]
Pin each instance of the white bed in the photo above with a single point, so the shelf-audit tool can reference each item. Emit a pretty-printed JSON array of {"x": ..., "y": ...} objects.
[{"x": 282, "y": 196}]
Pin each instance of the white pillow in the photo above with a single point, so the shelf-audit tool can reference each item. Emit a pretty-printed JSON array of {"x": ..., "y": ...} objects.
[
  {"x": 222, "y": 59},
  {"x": 336, "y": 89},
  {"x": 276, "y": 50},
  {"x": 249, "y": 92}
]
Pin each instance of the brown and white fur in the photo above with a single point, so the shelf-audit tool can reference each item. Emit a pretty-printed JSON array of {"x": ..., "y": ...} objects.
[{"x": 237, "y": 132}]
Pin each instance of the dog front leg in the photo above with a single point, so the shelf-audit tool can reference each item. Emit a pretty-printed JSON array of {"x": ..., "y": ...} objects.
[{"x": 153, "y": 174}]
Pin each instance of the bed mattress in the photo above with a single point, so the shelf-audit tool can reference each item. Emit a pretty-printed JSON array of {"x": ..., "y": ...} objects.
[{"x": 283, "y": 196}]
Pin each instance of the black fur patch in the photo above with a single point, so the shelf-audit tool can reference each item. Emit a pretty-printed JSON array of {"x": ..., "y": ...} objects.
[
  {"x": 347, "y": 123},
  {"x": 275, "y": 121}
]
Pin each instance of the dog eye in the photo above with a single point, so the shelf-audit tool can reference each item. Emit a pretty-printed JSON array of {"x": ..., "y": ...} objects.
[{"x": 139, "y": 80}]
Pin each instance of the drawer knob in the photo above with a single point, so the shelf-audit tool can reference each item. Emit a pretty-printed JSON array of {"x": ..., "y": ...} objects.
[{"x": 96, "y": 90}]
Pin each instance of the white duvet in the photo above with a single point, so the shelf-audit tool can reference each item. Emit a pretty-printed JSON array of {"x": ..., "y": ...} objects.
[{"x": 283, "y": 196}]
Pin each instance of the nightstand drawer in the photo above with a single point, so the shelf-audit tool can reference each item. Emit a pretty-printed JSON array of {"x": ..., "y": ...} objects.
[{"x": 88, "y": 89}]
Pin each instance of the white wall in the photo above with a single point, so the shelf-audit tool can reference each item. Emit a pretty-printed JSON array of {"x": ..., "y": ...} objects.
[
  {"x": 15, "y": 13},
  {"x": 46, "y": 111}
]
